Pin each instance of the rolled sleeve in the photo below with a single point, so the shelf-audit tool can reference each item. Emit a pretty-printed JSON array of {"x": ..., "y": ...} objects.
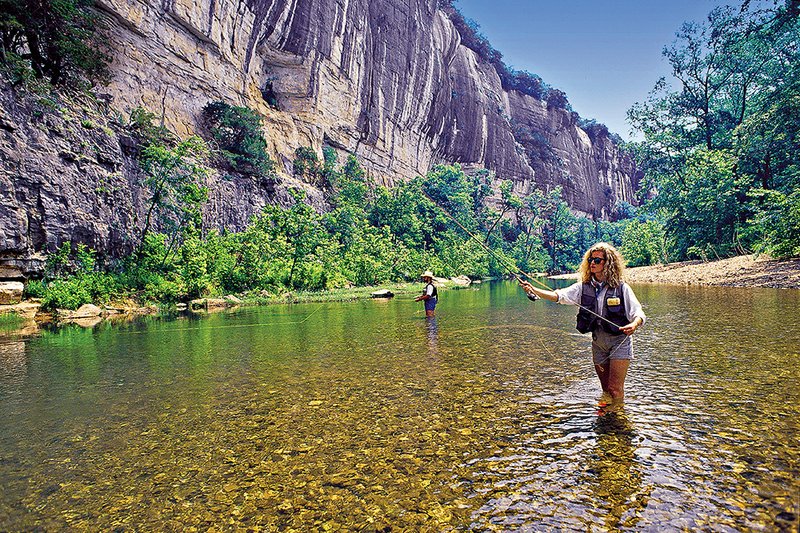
[{"x": 570, "y": 295}]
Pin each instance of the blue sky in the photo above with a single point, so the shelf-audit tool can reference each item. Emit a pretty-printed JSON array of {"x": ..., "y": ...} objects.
[{"x": 604, "y": 54}]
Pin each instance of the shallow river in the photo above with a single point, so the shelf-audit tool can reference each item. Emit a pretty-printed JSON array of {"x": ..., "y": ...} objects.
[{"x": 366, "y": 416}]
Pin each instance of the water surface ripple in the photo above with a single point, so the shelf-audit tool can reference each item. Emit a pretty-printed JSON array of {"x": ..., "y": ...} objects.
[{"x": 367, "y": 417}]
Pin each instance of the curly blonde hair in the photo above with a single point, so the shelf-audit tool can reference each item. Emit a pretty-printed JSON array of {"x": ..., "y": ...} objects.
[{"x": 613, "y": 268}]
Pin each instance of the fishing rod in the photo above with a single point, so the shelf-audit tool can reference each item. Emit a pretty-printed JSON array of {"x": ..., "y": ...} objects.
[
  {"x": 504, "y": 261},
  {"x": 515, "y": 271}
]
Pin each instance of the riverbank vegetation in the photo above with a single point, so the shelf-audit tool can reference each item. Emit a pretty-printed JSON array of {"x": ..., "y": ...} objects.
[
  {"x": 368, "y": 235},
  {"x": 721, "y": 149}
]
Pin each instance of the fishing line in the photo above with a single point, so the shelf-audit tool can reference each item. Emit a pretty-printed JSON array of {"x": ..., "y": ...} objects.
[
  {"x": 513, "y": 271},
  {"x": 499, "y": 259},
  {"x": 230, "y": 326},
  {"x": 516, "y": 270}
]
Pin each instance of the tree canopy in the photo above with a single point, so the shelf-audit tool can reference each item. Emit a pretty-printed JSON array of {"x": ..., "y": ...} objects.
[{"x": 721, "y": 149}]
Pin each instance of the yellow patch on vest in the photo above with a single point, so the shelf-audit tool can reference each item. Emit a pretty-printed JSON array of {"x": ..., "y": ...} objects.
[{"x": 612, "y": 301}]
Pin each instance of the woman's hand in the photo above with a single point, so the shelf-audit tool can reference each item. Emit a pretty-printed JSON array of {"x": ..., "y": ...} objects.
[
  {"x": 526, "y": 286},
  {"x": 628, "y": 329}
]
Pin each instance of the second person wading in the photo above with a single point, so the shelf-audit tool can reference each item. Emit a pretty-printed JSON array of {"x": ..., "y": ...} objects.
[{"x": 429, "y": 294}]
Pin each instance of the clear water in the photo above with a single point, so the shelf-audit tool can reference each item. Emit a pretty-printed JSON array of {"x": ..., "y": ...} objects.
[{"x": 366, "y": 416}]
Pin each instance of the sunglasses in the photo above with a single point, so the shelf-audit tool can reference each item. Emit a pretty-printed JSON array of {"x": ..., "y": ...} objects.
[{"x": 595, "y": 260}]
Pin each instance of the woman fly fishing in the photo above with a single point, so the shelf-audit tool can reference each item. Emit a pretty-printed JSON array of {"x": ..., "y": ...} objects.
[{"x": 609, "y": 309}]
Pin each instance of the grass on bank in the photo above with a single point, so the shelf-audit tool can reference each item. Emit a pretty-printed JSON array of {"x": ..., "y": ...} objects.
[{"x": 10, "y": 322}]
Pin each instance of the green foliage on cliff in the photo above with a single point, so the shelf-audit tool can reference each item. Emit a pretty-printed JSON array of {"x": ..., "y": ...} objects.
[
  {"x": 511, "y": 80},
  {"x": 235, "y": 132},
  {"x": 309, "y": 168},
  {"x": 722, "y": 148},
  {"x": 53, "y": 40}
]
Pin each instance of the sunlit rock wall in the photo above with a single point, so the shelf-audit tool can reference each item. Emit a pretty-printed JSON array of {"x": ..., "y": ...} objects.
[{"x": 386, "y": 80}]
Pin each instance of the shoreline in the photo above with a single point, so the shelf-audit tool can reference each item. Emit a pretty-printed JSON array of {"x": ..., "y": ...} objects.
[
  {"x": 26, "y": 318},
  {"x": 741, "y": 271},
  {"x": 746, "y": 271}
]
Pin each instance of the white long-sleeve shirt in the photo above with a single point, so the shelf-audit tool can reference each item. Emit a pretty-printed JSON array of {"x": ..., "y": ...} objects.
[{"x": 572, "y": 296}]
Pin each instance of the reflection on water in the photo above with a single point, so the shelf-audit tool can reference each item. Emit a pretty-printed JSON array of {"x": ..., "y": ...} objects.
[
  {"x": 366, "y": 416},
  {"x": 433, "y": 334}
]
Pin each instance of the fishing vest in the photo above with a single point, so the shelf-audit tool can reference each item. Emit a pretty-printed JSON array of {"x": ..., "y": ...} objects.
[
  {"x": 434, "y": 294},
  {"x": 614, "y": 310}
]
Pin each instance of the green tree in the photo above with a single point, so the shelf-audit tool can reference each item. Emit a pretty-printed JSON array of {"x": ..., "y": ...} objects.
[
  {"x": 701, "y": 205},
  {"x": 508, "y": 202},
  {"x": 236, "y": 133},
  {"x": 398, "y": 209},
  {"x": 57, "y": 39},
  {"x": 450, "y": 190},
  {"x": 644, "y": 243},
  {"x": 174, "y": 178},
  {"x": 733, "y": 120},
  {"x": 309, "y": 168}
]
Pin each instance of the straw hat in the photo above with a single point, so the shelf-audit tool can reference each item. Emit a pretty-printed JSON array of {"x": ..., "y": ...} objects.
[{"x": 427, "y": 274}]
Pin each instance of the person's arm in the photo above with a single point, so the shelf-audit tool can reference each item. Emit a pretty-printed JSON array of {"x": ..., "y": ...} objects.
[
  {"x": 425, "y": 295},
  {"x": 633, "y": 311}
]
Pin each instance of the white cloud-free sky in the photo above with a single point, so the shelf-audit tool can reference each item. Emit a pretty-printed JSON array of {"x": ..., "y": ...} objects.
[{"x": 604, "y": 54}]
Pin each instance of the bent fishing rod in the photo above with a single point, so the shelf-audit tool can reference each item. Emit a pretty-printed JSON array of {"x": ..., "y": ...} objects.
[{"x": 516, "y": 270}]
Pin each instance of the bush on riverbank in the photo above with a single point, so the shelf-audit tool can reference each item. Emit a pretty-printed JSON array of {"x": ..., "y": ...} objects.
[{"x": 372, "y": 235}]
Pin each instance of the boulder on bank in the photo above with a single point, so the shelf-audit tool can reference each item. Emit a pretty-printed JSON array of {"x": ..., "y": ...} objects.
[
  {"x": 383, "y": 293},
  {"x": 86, "y": 316},
  {"x": 461, "y": 281},
  {"x": 26, "y": 310},
  {"x": 11, "y": 292},
  {"x": 458, "y": 282},
  {"x": 212, "y": 303},
  {"x": 84, "y": 311}
]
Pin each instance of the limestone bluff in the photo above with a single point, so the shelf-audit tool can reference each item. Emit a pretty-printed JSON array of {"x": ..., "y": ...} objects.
[{"x": 386, "y": 80}]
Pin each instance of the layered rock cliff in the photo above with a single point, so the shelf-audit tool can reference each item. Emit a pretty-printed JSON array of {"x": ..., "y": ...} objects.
[{"x": 387, "y": 80}]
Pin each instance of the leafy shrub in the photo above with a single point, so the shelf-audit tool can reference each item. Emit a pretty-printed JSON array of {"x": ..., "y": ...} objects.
[
  {"x": 778, "y": 224},
  {"x": 643, "y": 243},
  {"x": 142, "y": 124},
  {"x": 236, "y": 131},
  {"x": 526, "y": 83},
  {"x": 66, "y": 294}
]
